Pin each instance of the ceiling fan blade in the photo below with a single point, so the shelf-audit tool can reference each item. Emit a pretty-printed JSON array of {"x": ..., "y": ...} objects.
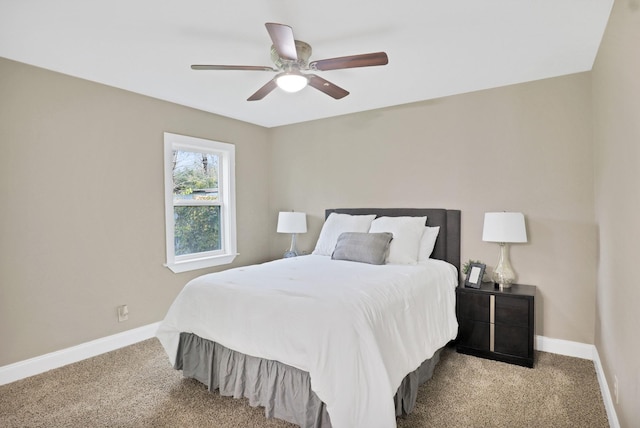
[
  {"x": 353, "y": 61},
  {"x": 282, "y": 38},
  {"x": 233, "y": 67},
  {"x": 264, "y": 91},
  {"x": 325, "y": 86}
]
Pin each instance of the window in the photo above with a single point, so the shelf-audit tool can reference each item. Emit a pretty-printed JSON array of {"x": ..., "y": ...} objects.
[{"x": 199, "y": 202}]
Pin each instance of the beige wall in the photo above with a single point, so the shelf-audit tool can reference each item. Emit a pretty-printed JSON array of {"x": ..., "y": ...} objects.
[
  {"x": 523, "y": 148},
  {"x": 82, "y": 217},
  {"x": 616, "y": 94}
]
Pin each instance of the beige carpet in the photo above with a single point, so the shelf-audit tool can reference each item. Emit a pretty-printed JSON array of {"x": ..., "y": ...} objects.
[{"x": 136, "y": 387}]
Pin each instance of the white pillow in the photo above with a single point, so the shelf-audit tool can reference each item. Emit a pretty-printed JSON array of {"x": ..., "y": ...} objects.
[
  {"x": 335, "y": 225},
  {"x": 427, "y": 242},
  {"x": 407, "y": 232}
]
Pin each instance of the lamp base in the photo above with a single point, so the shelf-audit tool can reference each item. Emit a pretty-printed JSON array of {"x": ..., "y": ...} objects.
[
  {"x": 503, "y": 286},
  {"x": 504, "y": 275},
  {"x": 292, "y": 252}
]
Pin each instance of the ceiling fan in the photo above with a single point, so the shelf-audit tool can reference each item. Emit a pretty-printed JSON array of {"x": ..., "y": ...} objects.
[{"x": 291, "y": 57}]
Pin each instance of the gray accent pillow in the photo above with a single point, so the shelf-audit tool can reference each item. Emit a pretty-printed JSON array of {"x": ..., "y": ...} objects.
[{"x": 371, "y": 248}]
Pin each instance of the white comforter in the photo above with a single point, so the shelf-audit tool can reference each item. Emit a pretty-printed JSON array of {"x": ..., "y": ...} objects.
[{"x": 356, "y": 328}]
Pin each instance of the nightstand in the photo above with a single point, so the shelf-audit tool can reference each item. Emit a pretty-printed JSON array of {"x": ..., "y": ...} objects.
[{"x": 496, "y": 324}]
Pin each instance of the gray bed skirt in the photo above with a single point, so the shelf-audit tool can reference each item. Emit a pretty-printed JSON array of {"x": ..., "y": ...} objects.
[{"x": 284, "y": 391}]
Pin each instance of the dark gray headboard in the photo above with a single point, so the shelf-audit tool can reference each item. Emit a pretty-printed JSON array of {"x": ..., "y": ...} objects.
[{"x": 448, "y": 243}]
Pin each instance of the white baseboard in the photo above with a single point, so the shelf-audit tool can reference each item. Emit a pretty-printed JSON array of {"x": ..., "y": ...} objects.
[
  {"x": 604, "y": 389},
  {"x": 565, "y": 347},
  {"x": 33, "y": 366},
  {"x": 587, "y": 352}
]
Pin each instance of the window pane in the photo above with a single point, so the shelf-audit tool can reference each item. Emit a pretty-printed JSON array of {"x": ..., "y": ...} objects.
[
  {"x": 197, "y": 229},
  {"x": 195, "y": 175}
]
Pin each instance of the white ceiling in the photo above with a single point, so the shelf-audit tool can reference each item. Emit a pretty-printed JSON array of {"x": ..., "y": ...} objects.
[{"x": 435, "y": 47}]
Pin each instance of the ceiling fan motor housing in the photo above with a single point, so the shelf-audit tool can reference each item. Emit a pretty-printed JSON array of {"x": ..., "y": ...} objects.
[{"x": 303, "y": 50}]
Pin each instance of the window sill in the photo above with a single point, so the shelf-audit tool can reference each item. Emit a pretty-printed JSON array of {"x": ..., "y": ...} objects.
[{"x": 205, "y": 262}]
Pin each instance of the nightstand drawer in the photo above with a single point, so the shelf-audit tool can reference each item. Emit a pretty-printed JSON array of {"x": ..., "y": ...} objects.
[
  {"x": 474, "y": 307},
  {"x": 474, "y": 334},
  {"x": 512, "y": 311},
  {"x": 511, "y": 340}
]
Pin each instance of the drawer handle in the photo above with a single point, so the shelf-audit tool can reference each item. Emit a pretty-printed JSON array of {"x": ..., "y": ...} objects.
[
  {"x": 492, "y": 320},
  {"x": 492, "y": 309}
]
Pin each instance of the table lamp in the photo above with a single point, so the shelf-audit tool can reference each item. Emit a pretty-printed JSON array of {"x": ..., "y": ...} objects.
[
  {"x": 504, "y": 228},
  {"x": 293, "y": 223}
]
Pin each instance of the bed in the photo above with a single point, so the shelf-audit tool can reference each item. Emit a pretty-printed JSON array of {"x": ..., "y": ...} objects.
[{"x": 322, "y": 340}]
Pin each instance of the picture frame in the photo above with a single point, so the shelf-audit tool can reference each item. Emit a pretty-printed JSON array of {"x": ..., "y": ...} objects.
[{"x": 474, "y": 275}]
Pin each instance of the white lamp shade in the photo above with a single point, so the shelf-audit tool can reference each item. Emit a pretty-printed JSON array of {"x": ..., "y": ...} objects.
[
  {"x": 504, "y": 227},
  {"x": 292, "y": 222}
]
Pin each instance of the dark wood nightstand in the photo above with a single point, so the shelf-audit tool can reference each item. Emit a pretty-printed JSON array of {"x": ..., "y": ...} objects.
[{"x": 496, "y": 324}]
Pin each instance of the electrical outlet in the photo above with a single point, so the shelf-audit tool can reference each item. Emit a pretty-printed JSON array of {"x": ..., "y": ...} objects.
[
  {"x": 615, "y": 388},
  {"x": 123, "y": 313}
]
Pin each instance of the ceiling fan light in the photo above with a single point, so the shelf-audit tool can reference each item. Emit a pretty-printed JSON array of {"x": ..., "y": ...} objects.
[{"x": 291, "y": 82}]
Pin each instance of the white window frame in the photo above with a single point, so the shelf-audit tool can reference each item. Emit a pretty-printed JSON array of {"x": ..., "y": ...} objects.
[{"x": 226, "y": 201}]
